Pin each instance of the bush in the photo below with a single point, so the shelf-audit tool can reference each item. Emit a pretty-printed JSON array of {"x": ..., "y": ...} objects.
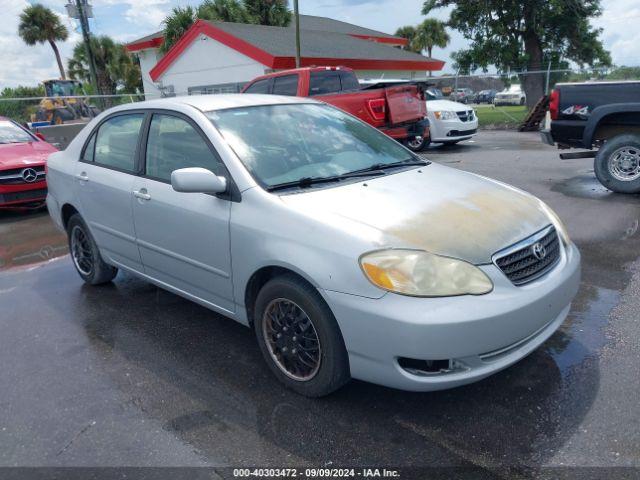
[{"x": 20, "y": 110}]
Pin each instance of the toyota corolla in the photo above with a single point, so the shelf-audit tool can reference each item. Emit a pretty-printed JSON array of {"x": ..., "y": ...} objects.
[{"x": 349, "y": 256}]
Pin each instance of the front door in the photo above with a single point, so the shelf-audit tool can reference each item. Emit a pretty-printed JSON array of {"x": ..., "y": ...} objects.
[
  {"x": 105, "y": 176},
  {"x": 183, "y": 237}
]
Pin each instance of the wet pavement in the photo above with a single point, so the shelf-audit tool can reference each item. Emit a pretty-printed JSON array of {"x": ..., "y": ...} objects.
[{"x": 128, "y": 374}]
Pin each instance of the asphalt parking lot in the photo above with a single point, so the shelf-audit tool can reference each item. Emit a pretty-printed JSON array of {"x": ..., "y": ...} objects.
[{"x": 128, "y": 374}]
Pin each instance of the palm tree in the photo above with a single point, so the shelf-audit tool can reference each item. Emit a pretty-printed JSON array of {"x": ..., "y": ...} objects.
[
  {"x": 431, "y": 33},
  {"x": 261, "y": 12},
  {"x": 409, "y": 32},
  {"x": 176, "y": 24},
  {"x": 224, "y": 11},
  {"x": 38, "y": 24},
  {"x": 269, "y": 12},
  {"x": 116, "y": 70}
]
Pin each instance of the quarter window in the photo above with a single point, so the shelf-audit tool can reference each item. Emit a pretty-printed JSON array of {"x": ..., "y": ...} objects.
[
  {"x": 87, "y": 155},
  {"x": 116, "y": 142},
  {"x": 173, "y": 143}
]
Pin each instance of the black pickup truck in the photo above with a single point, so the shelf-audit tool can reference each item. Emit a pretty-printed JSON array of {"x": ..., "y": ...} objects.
[{"x": 604, "y": 118}]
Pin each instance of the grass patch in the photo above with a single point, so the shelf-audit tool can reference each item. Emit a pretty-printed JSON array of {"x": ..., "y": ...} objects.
[{"x": 500, "y": 117}]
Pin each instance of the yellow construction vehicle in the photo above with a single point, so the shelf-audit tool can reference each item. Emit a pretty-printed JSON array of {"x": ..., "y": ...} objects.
[{"x": 56, "y": 109}]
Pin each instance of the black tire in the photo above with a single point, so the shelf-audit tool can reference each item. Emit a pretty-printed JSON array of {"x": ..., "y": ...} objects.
[
  {"x": 417, "y": 145},
  {"x": 522, "y": 101},
  {"x": 95, "y": 270},
  {"x": 607, "y": 165},
  {"x": 332, "y": 367}
]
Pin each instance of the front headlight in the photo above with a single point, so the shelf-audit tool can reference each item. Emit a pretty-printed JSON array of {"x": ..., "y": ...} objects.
[
  {"x": 557, "y": 223},
  {"x": 422, "y": 274},
  {"x": 444, "y": 115}
]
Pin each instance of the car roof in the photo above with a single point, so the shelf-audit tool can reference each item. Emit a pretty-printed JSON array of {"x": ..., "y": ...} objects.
[{"x": 221, "y": 101}]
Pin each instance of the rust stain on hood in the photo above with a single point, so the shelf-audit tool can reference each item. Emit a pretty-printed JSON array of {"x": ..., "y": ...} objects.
[{"x": 441, "y": 210}]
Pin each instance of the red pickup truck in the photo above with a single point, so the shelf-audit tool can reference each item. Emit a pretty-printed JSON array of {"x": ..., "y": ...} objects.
[{"x": 399, "y": 111}]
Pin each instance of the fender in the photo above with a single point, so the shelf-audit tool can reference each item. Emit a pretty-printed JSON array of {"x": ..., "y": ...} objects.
[{"x": 599, "y": 113}]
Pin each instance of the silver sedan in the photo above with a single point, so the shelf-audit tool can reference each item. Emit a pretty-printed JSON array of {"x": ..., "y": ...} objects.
[{"x": 348, "y": 255}]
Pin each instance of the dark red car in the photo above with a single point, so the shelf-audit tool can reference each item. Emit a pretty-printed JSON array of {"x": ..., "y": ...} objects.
[{"x": 23, "y": 156}]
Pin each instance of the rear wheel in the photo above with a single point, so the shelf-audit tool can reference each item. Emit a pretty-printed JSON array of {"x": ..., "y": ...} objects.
[
  {"x": 85, "y": 254},
  {"x": 300, "y": 338},
  {"x": 417, "y": 144},
  {"x": 617, "y": 164}
]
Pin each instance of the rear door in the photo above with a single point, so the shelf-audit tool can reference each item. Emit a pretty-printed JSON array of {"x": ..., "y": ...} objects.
[
  {"x": 183, "y": 237},
  {"x": 105, "y": 175}
]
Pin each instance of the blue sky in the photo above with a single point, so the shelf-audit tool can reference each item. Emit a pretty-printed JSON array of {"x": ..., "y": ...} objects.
[{"x": 127, "y": 20}]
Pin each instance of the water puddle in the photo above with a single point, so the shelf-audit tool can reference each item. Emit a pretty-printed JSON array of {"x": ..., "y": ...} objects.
[{"x": 28, "y": 238}]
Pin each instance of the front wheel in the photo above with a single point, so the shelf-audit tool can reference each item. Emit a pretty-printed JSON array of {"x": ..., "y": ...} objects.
[
  {"x": 617, "y": 164},
  {"x": 417, "y": 144},
  {"x": 300, "y": 338},
  {"x": 85, "y": 254}
]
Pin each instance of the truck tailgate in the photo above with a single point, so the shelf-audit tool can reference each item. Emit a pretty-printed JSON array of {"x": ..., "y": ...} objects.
[{"x": 405, "y": 104}]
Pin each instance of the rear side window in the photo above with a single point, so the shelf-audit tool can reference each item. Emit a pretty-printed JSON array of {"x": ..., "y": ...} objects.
[
  {"x": 324, "y": 82},
  {"x": 349, "y": 81},
  {"x": 117, "y": 140},
  {"x": 286, "y": 85},
  {"x": 261, "y": 86},
  {"x": 174, "y": 143}
]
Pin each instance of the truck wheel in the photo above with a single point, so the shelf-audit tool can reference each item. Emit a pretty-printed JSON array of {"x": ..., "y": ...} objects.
[
  {"x": 617, "y": 164},
  {"x": 418, "y": 144}
]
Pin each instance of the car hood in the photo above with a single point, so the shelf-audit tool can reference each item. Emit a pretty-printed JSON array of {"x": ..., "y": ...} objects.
[
  {"x": 434, "y": 208},
  {"x": 446, "y": 106},
  {"x": 17, "y": 155}
]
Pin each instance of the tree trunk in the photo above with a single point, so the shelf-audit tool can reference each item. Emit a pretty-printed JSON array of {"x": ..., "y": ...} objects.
[
  {"x": 429, "y": 50},
  {"x": 533, "y": 84},
  {"x": 58, "y": 59}
]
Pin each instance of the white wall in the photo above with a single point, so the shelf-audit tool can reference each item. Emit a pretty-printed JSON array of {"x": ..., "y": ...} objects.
[
  {"x": 209, "y": 62},
  {"x": 148, "y": 59}
]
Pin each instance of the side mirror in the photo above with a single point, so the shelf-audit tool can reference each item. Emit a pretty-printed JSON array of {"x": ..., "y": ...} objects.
[{"x": 197, "y": 180}]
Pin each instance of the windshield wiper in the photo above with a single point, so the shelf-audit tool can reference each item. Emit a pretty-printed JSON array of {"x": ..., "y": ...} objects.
[
  {"x": 409, "y": 162},
  {"x": 306, "y": 182}
]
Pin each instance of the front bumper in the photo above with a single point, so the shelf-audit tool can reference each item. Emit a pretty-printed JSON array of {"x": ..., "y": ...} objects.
[
  {"x": 452, "y": 130},
  {"x": 15, "y": 196},
  {"x": 480, "y": 334}
]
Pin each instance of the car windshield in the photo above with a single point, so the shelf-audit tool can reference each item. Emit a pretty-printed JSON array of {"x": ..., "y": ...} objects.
[
  {"x": 11, "y": 133},
  {"x": 281, "y": 144}
]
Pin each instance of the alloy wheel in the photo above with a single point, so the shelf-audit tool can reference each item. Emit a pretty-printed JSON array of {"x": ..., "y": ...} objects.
[
  {"x": 624, "y": 164},
  {"x": 81, "y": 251},
  {"x": 291, "y": 339}
]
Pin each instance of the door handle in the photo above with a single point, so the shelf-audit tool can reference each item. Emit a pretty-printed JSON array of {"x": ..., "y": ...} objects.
[
  {"x": 82, "y": 177},
  {"x": 142, "y": 194}
]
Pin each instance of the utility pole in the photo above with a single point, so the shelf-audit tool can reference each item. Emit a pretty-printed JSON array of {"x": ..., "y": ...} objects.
[
  {"x": 82, "y": 11},
  {"x": 296, "y": 14}
]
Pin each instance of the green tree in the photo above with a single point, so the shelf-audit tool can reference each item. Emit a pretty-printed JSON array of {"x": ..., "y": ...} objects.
[
  {"x": 431, "y": 33},
  {"x": 261, "y": 12},
  {"x": 516, "y": 34},
  {"x": 38, "y": 24},
  {"x": 20, "y": 110},
  {"x": 408, "y": 32},
  {"x": 269, "y": 12},
  {"x": 116, "y": 70}
]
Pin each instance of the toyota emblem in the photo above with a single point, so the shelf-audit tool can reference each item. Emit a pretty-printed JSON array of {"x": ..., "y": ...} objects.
[
  {"x": 29, "y": 175},
  {"x": 539, "y": 251}
]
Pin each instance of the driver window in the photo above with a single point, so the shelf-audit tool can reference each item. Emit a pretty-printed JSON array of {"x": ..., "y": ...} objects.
[{"x": 173, "y": 144}]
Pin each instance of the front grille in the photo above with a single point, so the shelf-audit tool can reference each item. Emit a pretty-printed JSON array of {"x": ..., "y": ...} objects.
[
  {"x": 531, "y": 258},
  {"x": 26, "y": 195},
  {"x": 14, "y": 176},
  {"x": 466, "y": 116}
]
